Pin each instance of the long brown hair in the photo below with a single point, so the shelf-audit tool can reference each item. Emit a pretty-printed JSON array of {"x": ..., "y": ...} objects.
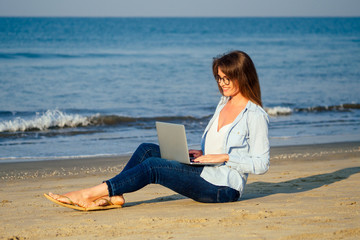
[{"x": 240, "y": 69}]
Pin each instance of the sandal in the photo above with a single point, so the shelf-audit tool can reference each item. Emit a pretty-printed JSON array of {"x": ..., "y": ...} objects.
[{"x": 73, "y": 205}]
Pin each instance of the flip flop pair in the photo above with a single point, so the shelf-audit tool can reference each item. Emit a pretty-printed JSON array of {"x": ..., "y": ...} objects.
[{"x": 72, "y": 205}]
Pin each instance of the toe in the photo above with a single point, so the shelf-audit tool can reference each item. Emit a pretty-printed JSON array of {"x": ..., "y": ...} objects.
[
  {"x": 101, "y": 202},
  {"x": 60, "y": 198}
]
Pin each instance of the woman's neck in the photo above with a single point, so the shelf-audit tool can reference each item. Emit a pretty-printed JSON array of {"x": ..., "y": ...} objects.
[{"x": 239, "y": 100}]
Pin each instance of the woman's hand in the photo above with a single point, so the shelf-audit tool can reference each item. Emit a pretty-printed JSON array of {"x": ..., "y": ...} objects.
[
  {"x": 195, "y": 153},
  {"x": 212, "y": 158}
]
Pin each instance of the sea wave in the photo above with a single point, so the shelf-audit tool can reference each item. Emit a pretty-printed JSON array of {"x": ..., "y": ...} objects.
[
  {"x": 54, "y": 119},
  {"x": 284, "y": 111},
  {"x": 118, "y": 120},
  {"x": 341, "y": 107},
  {"x": 279, "y": 111},
  {"x": 49, "y": 119}
]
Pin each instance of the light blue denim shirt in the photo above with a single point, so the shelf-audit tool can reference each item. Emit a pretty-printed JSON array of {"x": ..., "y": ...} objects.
[{"x": 246, "y": 143}]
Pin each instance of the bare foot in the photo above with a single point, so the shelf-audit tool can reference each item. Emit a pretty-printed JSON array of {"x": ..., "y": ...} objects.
[
  {"x": 77, "y": 198},
  {"x": 106, "y": 200},
  {"x": 86, "y": 197}
]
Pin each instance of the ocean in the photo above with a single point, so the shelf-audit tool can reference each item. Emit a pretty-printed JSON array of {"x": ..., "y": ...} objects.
[{"x": 80, "y": 87}]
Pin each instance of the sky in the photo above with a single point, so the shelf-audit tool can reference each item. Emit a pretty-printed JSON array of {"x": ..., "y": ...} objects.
[{"x": 180, "y": 8}]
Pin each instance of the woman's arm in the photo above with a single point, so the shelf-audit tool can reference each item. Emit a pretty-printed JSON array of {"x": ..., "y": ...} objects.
[
  {"x": 209, "y": 158},
  {"x": 212, "y": 158}
]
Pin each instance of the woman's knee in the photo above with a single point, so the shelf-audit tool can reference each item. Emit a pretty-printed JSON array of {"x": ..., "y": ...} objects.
[
  {"x": 146, "y": 150},
  {"x": 149, "y": 147}
]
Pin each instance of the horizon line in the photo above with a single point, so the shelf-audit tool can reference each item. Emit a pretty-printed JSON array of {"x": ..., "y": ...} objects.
[{"x": 91, "y": 16}]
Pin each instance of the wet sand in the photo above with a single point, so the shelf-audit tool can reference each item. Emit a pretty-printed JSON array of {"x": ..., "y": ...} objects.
[{"x": 310, "y": 192}]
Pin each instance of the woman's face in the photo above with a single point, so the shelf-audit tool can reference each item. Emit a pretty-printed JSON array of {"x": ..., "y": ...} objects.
[{"x": 230, "y": 89}]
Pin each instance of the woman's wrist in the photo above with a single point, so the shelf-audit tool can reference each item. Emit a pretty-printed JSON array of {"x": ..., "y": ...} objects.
[{"x": 226, "y": 157}]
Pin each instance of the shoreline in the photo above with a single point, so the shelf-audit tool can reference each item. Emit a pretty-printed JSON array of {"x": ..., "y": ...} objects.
[
  {"x": 275, "y": 146},
  {"x": 114, "y": 164},
  {"x": 309, "y": 192},
  {"x": 279, "y": 142}
]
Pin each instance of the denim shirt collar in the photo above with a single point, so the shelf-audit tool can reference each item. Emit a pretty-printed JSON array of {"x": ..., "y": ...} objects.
[{"x": 250, "y": 106}]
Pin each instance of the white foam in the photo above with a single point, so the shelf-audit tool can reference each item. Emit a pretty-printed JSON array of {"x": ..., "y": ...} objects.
[
  {"x": 279, "y": 111},
  {"x": 51, "y": 118}
]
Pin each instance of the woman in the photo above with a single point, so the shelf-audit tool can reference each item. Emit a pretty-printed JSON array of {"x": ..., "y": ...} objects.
[{"x": 236, "y": 138}]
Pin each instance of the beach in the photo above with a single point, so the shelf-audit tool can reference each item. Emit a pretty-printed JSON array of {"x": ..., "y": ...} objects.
[
  {"x": 309, "y": 192},
  {"x": 80, "y": 94}
]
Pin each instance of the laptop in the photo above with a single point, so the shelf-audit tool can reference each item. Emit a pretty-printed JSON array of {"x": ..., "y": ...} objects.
[{"x": 173, "y": 143}]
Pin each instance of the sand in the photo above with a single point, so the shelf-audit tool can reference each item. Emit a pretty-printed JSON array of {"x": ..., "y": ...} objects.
[{"x": 310, "y": 192}]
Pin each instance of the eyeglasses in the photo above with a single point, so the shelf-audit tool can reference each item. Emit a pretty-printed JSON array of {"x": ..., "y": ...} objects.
[{"x": 225, "y": 80}]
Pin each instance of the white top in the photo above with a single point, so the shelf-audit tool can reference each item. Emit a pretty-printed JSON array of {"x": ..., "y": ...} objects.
[{"x": 214, "y": 143}]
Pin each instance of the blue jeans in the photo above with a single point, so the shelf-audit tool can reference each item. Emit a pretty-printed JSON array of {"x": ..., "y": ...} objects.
[{"x": 146, "y": 167}]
